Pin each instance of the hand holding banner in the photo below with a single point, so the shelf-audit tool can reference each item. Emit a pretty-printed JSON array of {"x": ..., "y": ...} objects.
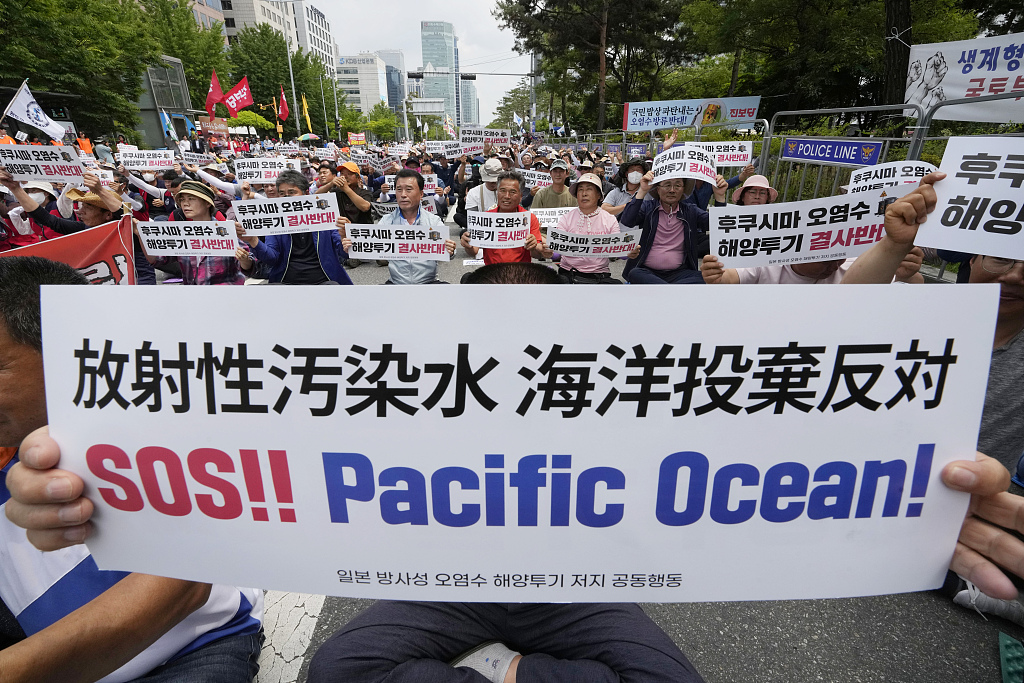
[
  {"x": 287, "y": 215},
  {"x": 492, "y": 230},
  {"x": 685, "y": 162}
]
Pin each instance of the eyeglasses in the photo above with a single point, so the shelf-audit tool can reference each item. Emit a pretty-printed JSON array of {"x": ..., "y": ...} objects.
[
  {"x": 671, "y": 186},
  {"x": 997, "y": 265}
]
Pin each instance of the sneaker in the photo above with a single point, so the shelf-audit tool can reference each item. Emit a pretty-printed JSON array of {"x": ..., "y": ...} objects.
[
  {"x": 973, "y": 598},
  {"x": 491, "y": 660}
]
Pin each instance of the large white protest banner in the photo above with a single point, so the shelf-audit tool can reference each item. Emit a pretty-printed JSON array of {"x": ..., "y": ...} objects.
[
  {"x": 452, "y": 149},
  {"x": 50, "y": 164},
  {"x": 472, "y": 139},
  {"x": 823, "y": 229},
  {"x": 492, "y": 230},
  {"x": 286, "y": 215},
  {"x": 434, "y": 146},
  {"x": 405, "y": 242},
  {"x": 684, "y": 162},
  {"x": 202, "y": 238},
  {"x": 727, "y": 153},
  {"x": 536, "y": 178},
  {"x": 548, "y": 218},
  {"x": 968, "y": 68},
  {"x": 614, "y": 245},
  {"x": 264, "y": 169},
  {"x": 159, "y": 159},
  {"x": 777, "y": 454},
  {"x": 980, "y": 208},
  {"x": 890, "y": 174},
  {"x": 497, "y": 136},
  {"x": 384, "y": 164}
]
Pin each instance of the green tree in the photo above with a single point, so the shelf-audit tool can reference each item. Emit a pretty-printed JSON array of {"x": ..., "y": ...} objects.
[
  {"x": 96, "y": 50},
  {"x": 251, "y": 118},
  {"x": 201, "y": 50},
  {"x": 382, "y": 122}
]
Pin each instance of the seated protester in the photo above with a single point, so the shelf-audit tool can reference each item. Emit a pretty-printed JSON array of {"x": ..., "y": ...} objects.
[
  {"x": 196, "y": 202},
  {"x": 625, "y": 184},
  {"x": 588, "y": 219},
  {"x": 409, "y": 192},
  {"x": 510, "y": 194},
  {"x": 1002, "y": 419},
  {"x": 443, "y": 198},
  {"x": 304, "y": 258},
  {"x": 484, "y": 197},
  {"x": 601, "y": 172},
  {"x": 97, "y": 207},
  {"x": 756, "y": 191},
  {"x": 144, "y": 272},
  {"x": 555, "y": 195},
  {"x": 675, "y": 233},
  {"x": 20, "y": 228},
  {"x": 162, "y": 200},
  {"x": 346, "y": 183},
  {"x": 539, "y": 164},
  {"x": 74, "y": 621},
  {"x": 702, "y": 192}
]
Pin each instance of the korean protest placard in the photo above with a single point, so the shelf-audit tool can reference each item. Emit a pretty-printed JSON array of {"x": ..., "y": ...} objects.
[
  {"x": 452, "y": 149},
  {"x": 497, "y": 136},
  {"x": 195, "y": 159},
  {"x": 405, "y": 242},
  {"x": 890, "y": 174},
  {"x": 536, "y": 178},
  {"x": 434, "y": 146},
  {"x": 728, "y": 153},
  {"x": 640, "y": 116},
  {"x": 684, "y": 162},
  {"x": 968, "y": 68},
  {"x": 661, "y": 461},
  {"x": 492, "y": 230},
  {"x": 35, "y": 162},
  {"x": 159, "y": 159},
  {"x": 201, "y": 238},
  {"x": 980, "y": 206},
  {"x": 263, "y": 169},
  {"x": 612, "y": 245},
  {"x": 357, "y": 139},
  {"x": 106, "y": 177},
  {"x": 821, "y": 229},
  {"x": 548, "y": 218},
  {"x": 399, "y": 150},
  {"x": 286, "y": 215},
  {"x": 472, "y": 139},
  {"x": 385, "y": 164}
]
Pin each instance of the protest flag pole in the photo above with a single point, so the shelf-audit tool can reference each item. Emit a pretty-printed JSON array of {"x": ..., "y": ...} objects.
[{"x": 14, "y": 99}]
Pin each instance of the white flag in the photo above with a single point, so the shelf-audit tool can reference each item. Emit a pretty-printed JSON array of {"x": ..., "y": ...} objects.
[{"x": 25, "y": 109}]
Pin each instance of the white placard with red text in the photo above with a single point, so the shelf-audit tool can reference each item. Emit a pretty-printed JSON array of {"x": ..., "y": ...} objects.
[
  {"x": 493, "y": 230},
  {"x": 287, "y": 215}
]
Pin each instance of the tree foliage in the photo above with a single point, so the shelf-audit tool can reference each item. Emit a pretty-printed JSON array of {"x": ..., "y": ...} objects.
[
  {"x": 382, "y": 122},
  {"x": 515, "y": 101},
  {"x": 96, "y": 50}
]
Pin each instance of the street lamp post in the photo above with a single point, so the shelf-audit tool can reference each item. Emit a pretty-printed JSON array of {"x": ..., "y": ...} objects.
[
  {"x": 291, "y": 74},
  {"x": 323, "y": 100}
]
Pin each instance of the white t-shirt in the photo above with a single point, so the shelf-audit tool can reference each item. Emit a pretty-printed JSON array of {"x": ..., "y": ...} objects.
[
  {"x": 785, "y": 275},
  {"x": 474, "y": 196}
]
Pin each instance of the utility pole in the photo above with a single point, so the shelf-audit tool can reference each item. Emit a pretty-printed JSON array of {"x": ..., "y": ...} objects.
[{"x": 533, "y": 91}]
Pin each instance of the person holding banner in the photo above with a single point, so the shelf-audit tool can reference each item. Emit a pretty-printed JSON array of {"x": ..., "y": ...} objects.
[
  {"x": 626, "y": 184},
  {"x": 98, "y": 206},
  {"x": 196, "y": 202},
  {"x": 21, "y": 229},
  {"x": 756, "y": 191},
  {"x": 588, "y": 219},
  {"x": 510, "y": 195},
  {"x": 556, "y": 195},
  {"x": 305, "y": 258},
  {"x": 675, "y": 233}
]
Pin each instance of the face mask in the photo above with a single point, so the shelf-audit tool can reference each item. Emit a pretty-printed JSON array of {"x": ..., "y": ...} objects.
[
  {"x": 635, "y": 177},
  {"x": 148, "y": 177},
  {"x": 39, "y": 198}
]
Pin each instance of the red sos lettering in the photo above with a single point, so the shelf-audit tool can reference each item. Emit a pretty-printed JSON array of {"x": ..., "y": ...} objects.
[{"x": 168, "y": 482}]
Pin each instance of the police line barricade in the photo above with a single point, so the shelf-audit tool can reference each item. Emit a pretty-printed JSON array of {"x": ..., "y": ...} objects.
[
  {"x": 830, "y": 158},
  {"x": 752, "y": 460}
]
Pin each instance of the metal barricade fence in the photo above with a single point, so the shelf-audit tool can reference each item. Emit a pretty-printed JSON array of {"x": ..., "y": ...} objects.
[
  {"x": 917, "y": 145},
  {"x": 789, "y": 176},
  {"x": 759, "y": 145}
]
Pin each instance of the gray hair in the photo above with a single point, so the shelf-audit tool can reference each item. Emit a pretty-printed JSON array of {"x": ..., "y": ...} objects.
[{"x": 512, "y": 174}]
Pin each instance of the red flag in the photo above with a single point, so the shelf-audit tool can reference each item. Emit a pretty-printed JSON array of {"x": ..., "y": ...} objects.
[
  {"x": 238, "y": 97},
  {"x": 282, "y": 112},
  {"x": 214, "y": 96},
  {"x": 103, "y": 254}
]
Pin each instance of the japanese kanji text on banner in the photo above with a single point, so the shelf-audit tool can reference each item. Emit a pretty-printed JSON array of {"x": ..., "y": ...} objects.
[
  {"x": 772, "y": 455},
  {"x": 980, "y": 206}
]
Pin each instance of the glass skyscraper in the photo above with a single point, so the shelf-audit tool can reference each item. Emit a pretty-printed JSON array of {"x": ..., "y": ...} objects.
[{"x": 438, "y": 41}]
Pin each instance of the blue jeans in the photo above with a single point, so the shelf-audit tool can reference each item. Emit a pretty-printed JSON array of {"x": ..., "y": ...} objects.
[
  {"x": 412, "y": 642},
  {"x": 227, "y": 660},
  {"x": 641, "y": 275}
]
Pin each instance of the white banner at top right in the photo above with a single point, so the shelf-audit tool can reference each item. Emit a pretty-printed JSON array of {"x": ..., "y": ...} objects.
[{"x": 969, "y": 68}]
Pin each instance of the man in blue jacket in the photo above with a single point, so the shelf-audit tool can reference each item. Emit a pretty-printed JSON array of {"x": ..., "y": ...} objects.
[
  {"x": 305, "y": 258},
  {"x": 675, "y": 232}
]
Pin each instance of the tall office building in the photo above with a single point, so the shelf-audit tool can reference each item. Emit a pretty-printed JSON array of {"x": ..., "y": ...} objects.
[
  {"x": 314, "y": 33},
  {"x": 280, "y": 15},
  {"x": 470, "y": 103},
  {"x": 394, "y": 61},
  {"x": 363, "y": 79},
  {"x": 208, "y": 13},
  {"x": 439, "y": 78},
  {"x": 458, "y": 88}
]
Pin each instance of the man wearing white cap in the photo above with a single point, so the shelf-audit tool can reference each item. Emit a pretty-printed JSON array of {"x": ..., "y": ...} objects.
[
  {"x": 588, "y": 218},
  {"x": 483, "y": 197}
]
